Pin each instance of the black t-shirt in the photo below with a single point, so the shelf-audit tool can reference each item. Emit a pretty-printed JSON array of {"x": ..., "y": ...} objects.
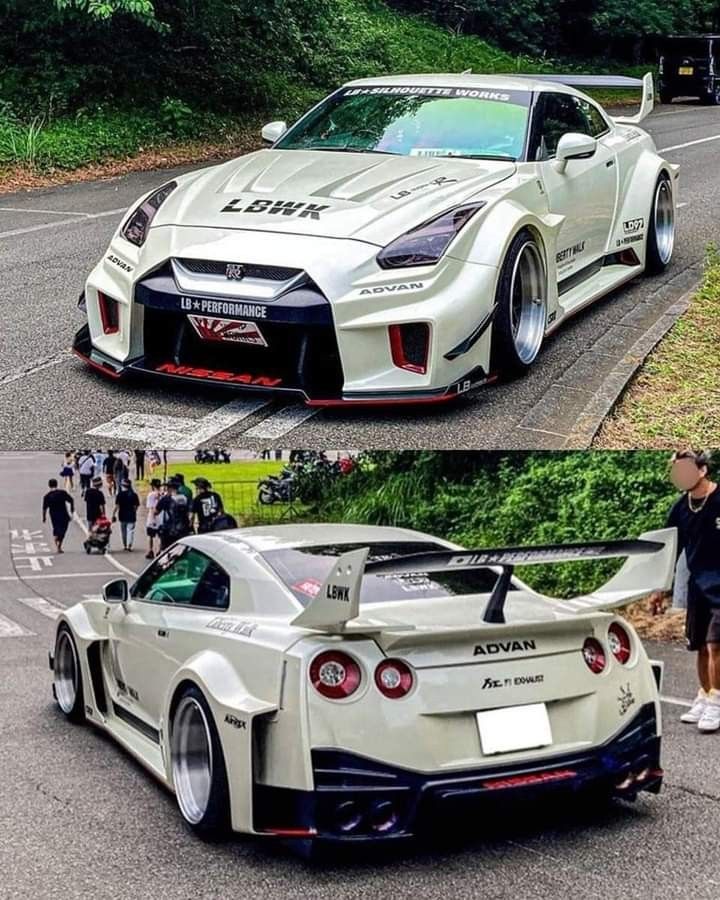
[
  {"x": 56, "y": 503},
  {"x": 699, "y": 537},
  {"x": 94, "y": 500},
  {"x": 127, "y": 503},
  {"x": 206, "y": 506}
]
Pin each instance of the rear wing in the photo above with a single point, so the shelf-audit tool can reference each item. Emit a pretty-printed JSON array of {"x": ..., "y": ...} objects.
[
  {"x": 649, "y": 566},
  {"x": 611, "y": 81}
]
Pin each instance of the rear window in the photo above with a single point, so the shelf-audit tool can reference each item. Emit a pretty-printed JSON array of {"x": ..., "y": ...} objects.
[
  {"x": 304, "y": 569},
  {"x": 697, "y": 47}
]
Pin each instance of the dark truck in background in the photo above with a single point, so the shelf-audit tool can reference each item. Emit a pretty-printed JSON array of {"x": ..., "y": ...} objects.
[{"x": 690, "y": 67}]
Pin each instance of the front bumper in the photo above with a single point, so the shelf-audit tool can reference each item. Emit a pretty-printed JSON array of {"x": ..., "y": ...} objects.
[
  {"x": 324, "y": 335},
  {"x": 391, "y": 803}
]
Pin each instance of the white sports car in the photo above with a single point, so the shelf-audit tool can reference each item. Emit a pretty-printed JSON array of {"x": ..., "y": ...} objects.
[
  {"x": 344, "y": 683},
  {"x": 407, "y": 240}
]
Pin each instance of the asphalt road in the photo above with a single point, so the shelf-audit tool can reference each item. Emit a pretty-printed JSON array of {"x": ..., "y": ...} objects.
[
  {"x": 79, "y": 818},
  {"x": 50, "y": 239}
]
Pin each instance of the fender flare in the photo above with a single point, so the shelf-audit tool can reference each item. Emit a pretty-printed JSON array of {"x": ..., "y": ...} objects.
[
  {"x": 234, "y": 710},
  {"x": 506, "y": 218},
  {"x": 639, "y": 197}
]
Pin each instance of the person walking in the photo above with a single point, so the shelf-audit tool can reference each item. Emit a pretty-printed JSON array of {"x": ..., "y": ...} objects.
[
  {"x": 206, "y": 506},
  {"x": 173, "y": 510},
  {"x": 94, "y": 502},
  {"x": 151, "y": 517},
  {"x": 125, "y": 512},
  {"x": 696, "y": 515},
  {"x": 86, "y": 470},
  {"x": 56, "y": 502},
  {"x": 121, "y": 471},
  {"x": 183, "y": 488},
  {"x": 109, "y": 471},
  {"x": 139, "y": 465},
  {"x": 67, "y": 472}
]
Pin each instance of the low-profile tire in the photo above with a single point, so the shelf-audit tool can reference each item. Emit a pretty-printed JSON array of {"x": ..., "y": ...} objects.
[
  {"x": 67, "y": 676},
  {"x": 198, "y": 766},
  {"x": 521, "y": 307},
  {"x": 660, "y": 240}
]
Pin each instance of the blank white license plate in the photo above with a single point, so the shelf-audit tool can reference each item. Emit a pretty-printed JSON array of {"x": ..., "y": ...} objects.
[{"x": 514, "y": 728}]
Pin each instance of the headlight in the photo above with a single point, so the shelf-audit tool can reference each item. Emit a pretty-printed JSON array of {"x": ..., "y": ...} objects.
[
  {"x": 136, "y": 228},
  {"x": 425, "y": 244}
]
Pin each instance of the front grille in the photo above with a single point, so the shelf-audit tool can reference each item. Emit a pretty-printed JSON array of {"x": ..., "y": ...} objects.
[{"x": 212, "y": 267}]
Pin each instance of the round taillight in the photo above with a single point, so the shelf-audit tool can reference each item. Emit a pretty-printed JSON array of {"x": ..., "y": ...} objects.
[
  {"x": 619, "y": 643},
  {"x": 594, "y": 655},
  {"x": 393, "y": 678},
  {"x": 335, "y": 674}
]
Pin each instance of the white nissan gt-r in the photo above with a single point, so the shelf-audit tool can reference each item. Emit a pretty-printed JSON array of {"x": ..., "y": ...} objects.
[
  {"x": 346, "y": 683},
  {"x": 407, "y": 240}
]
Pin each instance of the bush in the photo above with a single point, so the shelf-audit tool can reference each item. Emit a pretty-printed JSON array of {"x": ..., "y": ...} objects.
[{"x": 485, "y": 500}]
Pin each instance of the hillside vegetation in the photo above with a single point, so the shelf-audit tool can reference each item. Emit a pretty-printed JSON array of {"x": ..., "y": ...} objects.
[{"x": 83, "y": 81}]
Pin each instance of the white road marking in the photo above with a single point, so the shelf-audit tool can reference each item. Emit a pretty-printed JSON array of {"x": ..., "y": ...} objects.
[
  {"x": 177, "y": 432},
  {"x": 46, "y": 212},
  {"x": 8, "y": 628},
  {"x": 39, "y": 604},
  {"x": 107, "y": 555},
  {"x": 88, "y": 217},
  {"x": 280, "y": 422},
  {"x": 57, "y": 575},
  {"x": 37, "y": 366},
  {"x": 715, "y": 137}
]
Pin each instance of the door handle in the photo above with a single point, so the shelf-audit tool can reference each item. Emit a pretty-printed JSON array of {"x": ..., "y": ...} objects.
[
  {"x": 609, "y": 164},
  {"x": 162, "y": 632}
]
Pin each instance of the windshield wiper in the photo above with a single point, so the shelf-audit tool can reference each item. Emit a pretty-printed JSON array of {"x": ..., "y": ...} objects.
[
  {"x": 499, "y": 156},
  {"x": 346, "y": 149}
]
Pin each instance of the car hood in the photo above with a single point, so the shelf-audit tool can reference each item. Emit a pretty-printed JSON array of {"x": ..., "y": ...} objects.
[{"x": 363, "y": 196}]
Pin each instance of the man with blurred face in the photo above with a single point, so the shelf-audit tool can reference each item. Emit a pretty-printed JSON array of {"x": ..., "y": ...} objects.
[{"x": 696, "y": 515}]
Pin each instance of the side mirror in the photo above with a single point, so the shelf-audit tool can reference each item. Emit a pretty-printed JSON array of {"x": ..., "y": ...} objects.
[
  {"x": 116, "y": 591},
  {"x": 273, "y": 131},
  {"x": 574, "y": 146}
]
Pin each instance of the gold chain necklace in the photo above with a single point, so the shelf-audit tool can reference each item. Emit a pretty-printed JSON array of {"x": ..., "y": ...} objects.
[{"x": 697, "y": 509}]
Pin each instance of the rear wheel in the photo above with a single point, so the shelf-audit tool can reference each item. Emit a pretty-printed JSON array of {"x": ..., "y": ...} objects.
[
  {"x": 713, "y": 98},
  {"x": 661, "y": 227},
  {"x": 521, "y": 307},
  {"x": 67, "y": 681},
  {"x": 666, "y": 96},
  {"x": 198, "y": 766}
]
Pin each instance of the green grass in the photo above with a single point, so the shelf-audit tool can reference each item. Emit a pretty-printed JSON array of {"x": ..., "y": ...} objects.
[
  {"x": 674, "y": 400},
  {"x": 236, "y": 482},
  {"x": 369, "y": 39}
]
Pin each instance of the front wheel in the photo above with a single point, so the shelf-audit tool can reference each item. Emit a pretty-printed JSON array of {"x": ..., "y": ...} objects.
[
  {"x": 520, "y": 307},
  {"x": 266, "y": 496},
  {"x": 661, "y": 227},
  {"x": 198, "y": 766},
  {"x": 67, "y": 680}
]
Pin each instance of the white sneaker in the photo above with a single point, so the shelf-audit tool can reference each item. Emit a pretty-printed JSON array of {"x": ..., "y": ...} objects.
[
  {"x": 710, "y": 718},
  {"x": 694, "y": 714}
]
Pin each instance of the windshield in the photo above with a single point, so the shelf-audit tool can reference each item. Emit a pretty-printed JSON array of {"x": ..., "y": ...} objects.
[
  {"x": 416, "y": 121},
  {"x": 304, "y": 569}
]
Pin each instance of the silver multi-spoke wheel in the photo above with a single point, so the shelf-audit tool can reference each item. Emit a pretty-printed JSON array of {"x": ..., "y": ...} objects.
[
  {"x": 664, "y": 220},
  {"x": 192, "y": 759},
  {"x": 67, "y": 672},
  {"x": 528, "y": 301}
]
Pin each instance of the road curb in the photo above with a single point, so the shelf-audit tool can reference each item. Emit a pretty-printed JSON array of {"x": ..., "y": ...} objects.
[{"x": 604, "y": 399}]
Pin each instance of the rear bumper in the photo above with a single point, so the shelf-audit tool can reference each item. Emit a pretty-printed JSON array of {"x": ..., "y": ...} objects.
[{"x": 391, "y": 803}]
